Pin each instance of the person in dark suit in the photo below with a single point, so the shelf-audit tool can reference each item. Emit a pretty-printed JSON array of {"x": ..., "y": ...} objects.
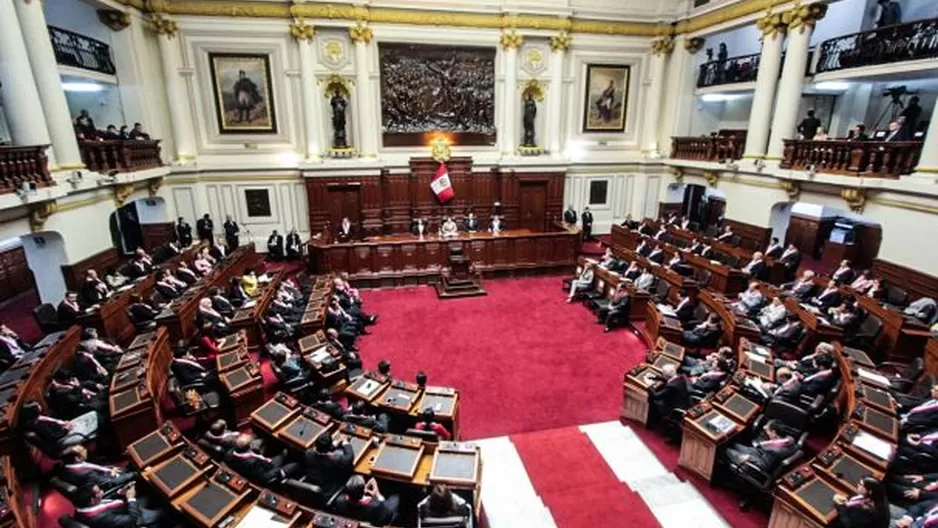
[
  {"x": 290, "y": 366},
  {"x": 236, "y": 294},
  {"x": 784, "y": 334},
  {"x": 616, "y": 311},
  {"x": 586, "y": 223},
  {"x": 93, "y": 510},
  {"x": 166, "y": 251},
  {"x": 920, "y": 414},
  {"x": 207, "y": 315},
  {"x": 684, "y": 310},
  {"x": 822, "y": 380},
  {"x": 187, "y": 370},
  {"x": 570, "y": 216},
  {"x": 787, "y": 386},
  {"x": 323, "y": 402},
  {"x": 69, "y": 310},
  {"x": 890, "y": 13},
  {"x": 329, "y": 463},
  {"x": 364, "y": 502},
  {"x": 231, "y": 233},
  {"x": 643, "y": 249},
  {"x": 643, "y": 228},
  {"x": 69, "y": 397},
  {"x": 629, "y": 223},
  {"x": 775, "y": 249},
  {"x": 656, "y": 255},
  {"x": 205, "y": 227},
  {"x": 809, "y": 126},
  {"x": 869, "y": 508},
  {"x": 695, "y": 247},
  {"x": 712, "y": 379},
  {"x": 727, "y": 235},
  {"x": 844, "y": 274},
  {"x": 471, "y": 222},
  {"x": 756, "y": 267},
  {"x": 183, "y": 232},
  {"x": 220, "y": 436},
  {"x": 419, "y": 226},
  {"x": 294, "y": 245},
  {"x": 186, "y": 274},
  {"x": 88, "y": 368},
  {"x": 771, "y": 446},
  {"x": 11, "y": 346},
  {"x": 218, "y": 251},
  {"x": 704, "y": 334},
  {"x": 670, "y": 393},
  {"x": 168, "y": 286},
  {"x": 93, "y": 290},
  {"x": 78, "y": 472},
  {"x": 791, "y": 258},
  {"x": 803, "y": 288},
  {"x": 220, "y": 303},
  {"x": 141, "y": 312},
  {"x": 706, "y": 252},
  {"x": 345, "y": 231},
  {"x": 247, "y": 459},
  {"x": 275, "y": 246},
  {"x": 828, "y": 298},
  {"x": 677, "y": 261}
]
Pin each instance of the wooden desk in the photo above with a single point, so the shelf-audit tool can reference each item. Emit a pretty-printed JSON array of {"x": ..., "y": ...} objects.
[
  {"x": 606, "y": 281},
  {"x": 804, "y": 500},
  {"x": 701, "y": 438},
  {"x": 155, "y": 446},
  {"x": 636, "y": 388},
  {"x": 659, "y": 325},
  {"x": 445, "y": 404},
  {"x": 245, "y": 389},
  {"x": 212, "y": 500},
  {"x": 405, "y": 259}
]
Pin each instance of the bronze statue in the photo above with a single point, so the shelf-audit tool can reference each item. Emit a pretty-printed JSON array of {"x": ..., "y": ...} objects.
[
  {"x": 530, "y": 114},
  {"x": 339, "y": 104}
]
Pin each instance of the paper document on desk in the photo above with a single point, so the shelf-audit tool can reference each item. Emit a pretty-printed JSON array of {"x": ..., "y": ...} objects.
[
  {"x": 263, "y": 279},
  {"x": 320, "y": 354},
  {"x": 872, "y": 445},
  {"x": 720, "y": 423},
  {"x": 757, "y": 385},
  {"x": 667, "y": 310},
  {"x": 761, "y": 350},
  {"x": 248, "y": 304},
  {"x": 368, "y": 387},
  {"x": 259, "y": 516},
  {"x": 755, "y": 357},
  {"x": 873, "y": 377}
]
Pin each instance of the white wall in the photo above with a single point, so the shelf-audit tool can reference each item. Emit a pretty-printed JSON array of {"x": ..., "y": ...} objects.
[
  {"x": 45, "y": 254},
  {"x": 710, "y": 116},
  {"x": 843, "y": 18},
  {"x": 105, "y": 107},
  {"x": 779, "y": 219},
  {"x": 76, "y": 16},
  {"x": 918, "y": 9},
  {"x": 743, "y": 40},
  {"x": 628, "y": 192},
  {"x": 5, "y": 136}
]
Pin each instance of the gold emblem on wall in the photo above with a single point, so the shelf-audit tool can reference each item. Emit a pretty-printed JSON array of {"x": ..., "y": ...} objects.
[
  {"x": 39, "y": 213},
  {"x": 533, "y": 61},
  {"x": 114, "y": 19},
  {"x": 693, "y": 45},
  {"x": 122, "y": 192},
  {"x": 511, "y": 39},
  {"x": 711, "y": 177},
  {"x": 302, "y": 30},
  {"x": 163, "y": 26},
  {"x": 560, "y": 42},
  {"x": 335, "y": 83},
  {"x": 533, "y": 88},
  {"x": 855, "y": 198},
  {"x": 793, "y": 189},
  {"x": 440, "y": 150},
  {"x": 360, "y": 33},
  {"x": 153, "y": 186}
]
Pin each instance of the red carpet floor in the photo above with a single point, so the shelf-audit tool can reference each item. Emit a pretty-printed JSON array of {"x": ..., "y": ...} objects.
[
  {"x": 589, "y": 494},
  {"x": 522, "y": 359}
]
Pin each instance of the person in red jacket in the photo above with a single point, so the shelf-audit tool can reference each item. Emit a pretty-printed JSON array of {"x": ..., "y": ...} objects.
[{"x": 428, "y": 423}]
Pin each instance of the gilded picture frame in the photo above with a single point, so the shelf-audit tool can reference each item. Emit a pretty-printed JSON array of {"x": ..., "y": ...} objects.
[
  {"x": 607, "y": 98},
  {"x": 243, "y": 92}
]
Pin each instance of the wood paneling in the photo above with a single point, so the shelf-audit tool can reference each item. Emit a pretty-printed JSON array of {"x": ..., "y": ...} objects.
[
  {"x": 155, "y": 235},
  {"x": 75, "y": 273},
  {"x": 751, "y": 236},
  {"x": 916, "y": 283},
  {"x": 809, "y": 233},
  {"x": 387, "y": 202},
  {"x": 15, "y": 275},
  {"x": 665, "y": 209}
]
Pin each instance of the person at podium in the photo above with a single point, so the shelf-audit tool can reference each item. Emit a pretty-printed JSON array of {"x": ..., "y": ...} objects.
[
  {"x": 346, "y": 231},
  {"x": 497, "y": 224},
  {"x": 449, "y": 229},
  {"x": 470, "y": 223}
]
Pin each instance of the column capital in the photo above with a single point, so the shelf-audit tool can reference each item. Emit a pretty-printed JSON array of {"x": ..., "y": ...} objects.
[
  {"x": 114, "y": 19},
  {"x": 694, "y": 44},
  {"x": 804, "y": 16},
  {"x": 560, "y": 42},
  {"x": 302, "y": 30},
  {"x": 39, "y": 213},
  {"x": 662, "y": 46},
  {"x": 855, "y": 198},
  {"x": 771, "y": 25},
  {"x": 511, "y": 39},
  {"x": 360, "y": 33},
  {"x": 162, "y": 25}
]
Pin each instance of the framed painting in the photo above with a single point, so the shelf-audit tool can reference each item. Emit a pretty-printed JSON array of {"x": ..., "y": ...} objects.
[
  {"x": 607, "y": 96},
  {"x": 244, "y": 99},
  {"x": 257, "y": 202}
]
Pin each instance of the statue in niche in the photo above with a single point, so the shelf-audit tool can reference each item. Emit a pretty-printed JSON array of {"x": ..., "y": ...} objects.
[
  {"x": 339, "y": 103},
  {"x": 529, "y": 116}
]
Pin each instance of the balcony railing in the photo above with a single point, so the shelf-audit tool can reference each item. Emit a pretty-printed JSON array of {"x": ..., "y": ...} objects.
[
  {"x": 120, "y": 155},
  {"x": 901, "y": 42},
  {"x": 717, "y": 148},
  {"x": 79, "y": 51},
  {"x": 879, "y": 159},
  {"x": 23, "y": 164},
  {"x": 740, "y": 69}
]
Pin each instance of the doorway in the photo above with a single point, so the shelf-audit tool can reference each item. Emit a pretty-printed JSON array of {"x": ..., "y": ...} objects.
[
  {"x": 125, "y": 229},
  {"x": 533, "y": 201},
  {"x": 344, "y": 201}
]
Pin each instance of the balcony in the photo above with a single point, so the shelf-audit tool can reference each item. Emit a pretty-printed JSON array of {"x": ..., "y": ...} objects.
[
  {"x": 120, "y": 155},
  {"x": 723, "y": 146},
  {"x": 871, "y": 159},
  {"x": 740, "y": 69},
  {"x": 23, "y": 164},
  {"x": 902, "y": 42},
  {"x": 79, "y": 51}
]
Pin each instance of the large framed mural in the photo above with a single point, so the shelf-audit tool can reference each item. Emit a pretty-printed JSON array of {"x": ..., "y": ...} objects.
[
  {"x": 607, "y": 97},
  {"x": 244, "y": 100}
]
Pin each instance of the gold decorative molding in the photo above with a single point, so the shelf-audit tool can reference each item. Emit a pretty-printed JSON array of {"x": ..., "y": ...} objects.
[
  {"x": 153, "y": 186},
  {"x": 39, "y": 213},
  {"x": 163, "y": 26},
  {"x": 440, "y": 150},
  {"x": 694, "y": 44},
  {"x": 678, "y": 173},
  {"x": 803, "y": 17},
  {"x": 114, "y": 19},
  {"x": 122, "y": 192},
  {"x": 511, "y": 39},
  {"x": 360, "y": 33},
  {"x": 534, "y": 88},
  {"x": 771, "y": 25},
  {"x": 855, "y": 198},
  {"x": 560, "y": 42},
  {"x": 712, "y": 178},
  {"x": 662, "y": 46},
  {"x": 302, "y": 31},
  {"x": 336, "y": 83},
  {"x": 793, "y": 189},
  {"x": 902, "y": 204}
]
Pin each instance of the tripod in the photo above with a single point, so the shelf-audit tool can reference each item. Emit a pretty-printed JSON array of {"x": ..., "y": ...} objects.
[{"x": 894, "y": 108}]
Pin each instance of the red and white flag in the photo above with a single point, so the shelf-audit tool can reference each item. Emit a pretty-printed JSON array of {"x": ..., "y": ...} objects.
[{"x": 441, "y": 185}]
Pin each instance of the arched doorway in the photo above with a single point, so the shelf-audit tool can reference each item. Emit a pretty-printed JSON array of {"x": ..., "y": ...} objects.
[
  {"x": 829, "y": 234},
  {"x": 45, "y": 254},
  {"x": 142, "y": 223}
]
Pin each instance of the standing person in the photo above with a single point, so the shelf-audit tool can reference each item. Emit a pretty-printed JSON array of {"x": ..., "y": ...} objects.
[
  {"x": 890, "y": 13},
  {"x": 586, "y": 222},
  {"x": 183, "y": 233},
  {"x": 231, "y": 233},
  {"x": 809, "y": 125},
  {"x": 569, "y": 216},
  {"x": 912, "y": 113},
  {"x": 205, "y": 228},
  {"x": 294, "y": 249},
  {"x": 275, "y": 246}
]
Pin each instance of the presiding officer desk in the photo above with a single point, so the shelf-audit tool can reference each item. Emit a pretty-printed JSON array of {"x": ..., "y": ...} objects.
[{"x": 393, "y": 260}]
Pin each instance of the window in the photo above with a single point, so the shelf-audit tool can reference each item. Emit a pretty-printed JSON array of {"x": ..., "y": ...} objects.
[{"x": 598, "y": 190}]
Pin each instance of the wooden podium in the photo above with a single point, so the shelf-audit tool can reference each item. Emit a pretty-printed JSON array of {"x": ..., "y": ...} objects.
[{"x": 460, "y": 281}]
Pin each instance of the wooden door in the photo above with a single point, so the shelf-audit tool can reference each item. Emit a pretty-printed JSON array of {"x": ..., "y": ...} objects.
[
  {"x": 344, "y": 201},
  {"x": 532, "y": 204}
]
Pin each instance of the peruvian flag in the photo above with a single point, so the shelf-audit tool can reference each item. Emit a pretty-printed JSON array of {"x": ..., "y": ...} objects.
[{"x": 441, "y": 185}]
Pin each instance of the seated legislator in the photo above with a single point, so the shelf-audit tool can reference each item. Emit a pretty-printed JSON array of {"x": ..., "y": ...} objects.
[
  {"x": 364, "y": 502},
  {"x": 115, "y": 279},
  {"x": 247, "y": 460},
  {"x": 141, "y": 265},
  {"x": 220, "y": 303},
  {"x": 94, "y": 511},
  {"x": 186, "y": 274},
  {"x": 869, "y": 508},
  {"x": 218, "y": 251},
  {"x": 791, "y": 259},
  {"x": 726, "y": 236},
  {"x": 775, "y": 249},
  {"x": 442, "y": 503},
  {"x": 78, "y": 472},
  {"x": 449, "y": 229},
  {"x": 823, "y": 379},
  {"x": 787, "y": 387},
  {"x": 644, "y": 228},
  {"x": 920, "y": 414},
  {"x": 361, "y": 414},
  {"x": 863, "y": 282},
  {"x": 204, "y": 262},
  {"x": 54, "y": 434},
  {"x": 294, "y": 245},
  {"x": 166, "y": 251},
  {"x": 12, "y": 347},
  {"x": 345, "y": 231},
  {"x": 629, "y": 222},
  {"x": 93, "y": 290},
  {"x": 583, "y": 282},
  {"x": 803, "y": 288},
  {"x": 828, "y": 298},
  {"x": 329, "y": 463},
  {"x": 683, "y": 311},
  {"x": 695, "y": 248},
  {"x": 633, "y": 272},
  {"x": 419, "y": 227},
  {"x": 806, "y": 365},
  {"x": 750, "y": 300},
  {"x": 756, "y": 267},
  {"x": 677, "y": 262},
  {"x": 167, "y": 286},
  {"x": 470, "y": 224},
  {"x": 644, "y": 248},
  {"x": 208, "y": 316},
  {"x": 323, "y": 402},
  {"x": 142, "y": 313},
  {"x": 707, "y": 251},
  {"x": 108, "y": 354},
  {"x": 188, "y": 371},
  {"x": 69, "y": 309},
  {"x": 607, "y": 259},
  {"x": 250, "y": 281},
  {"x": 846, "y": 315},
  {"x": 772, "y": 445},
  {"x": 773, "y": 314},
  {"x": 220, "y": 436},
  {"x": 661, "y": 235},
  {"x": 685, "y": 223},
  {"x": 427, "y": 422},
  {"x": 290, "y": 365},
  {"x": 340, "y": 321},
  {"x": 844, "y": 274},
  {"x": 877, "y": 290},
  {"x": 617, "y": 310},
  {"x": 785, "y": 334},
  {"x": 671, "y": 392},
  {"x": 712, "y": 379},
  {"x": 69, "y": 397},
  {"x": 705, "y": 334},
  {"x": 88, "y": 368},
  {"x": 656, "y": 255},
  {"x": 275, "y": 246},
  {"x": 497, "y": 225},
  {"x": 646, "y": 281},
  {"x": 693, "y": 366}
]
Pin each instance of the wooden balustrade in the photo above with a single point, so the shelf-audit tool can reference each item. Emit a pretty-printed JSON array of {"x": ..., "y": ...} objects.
[
  {"x": 878, "y": 159},
  {"x": 23, "y": 164},
  {"x": 120, "y": 155},
  {"x": 717, "y": 148}
]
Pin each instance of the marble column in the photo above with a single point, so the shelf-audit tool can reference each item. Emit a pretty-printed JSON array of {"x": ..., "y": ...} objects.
[
  {"x": 660, "y": 49},
  {"x": 49, "y": 84},
  {"x": 554, "y": 129},
  {"x": 928, "y": 161},
  {"x": 770, "y": 61},
  {"x": 309, "y": 92},
  {"x": 364, "y": 109},
  {"x": 511, "y": 42},
  {"x": 176, "y": 96},
  {"x": 21, "y": 102},
  {"x": 800, "y": 22}
]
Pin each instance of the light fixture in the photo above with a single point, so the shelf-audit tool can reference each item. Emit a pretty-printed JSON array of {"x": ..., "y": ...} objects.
[
  {"x": 832, "y": 86},
  {"x": 718, "y": 97},
  {"x": 82, "y": 87}
]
